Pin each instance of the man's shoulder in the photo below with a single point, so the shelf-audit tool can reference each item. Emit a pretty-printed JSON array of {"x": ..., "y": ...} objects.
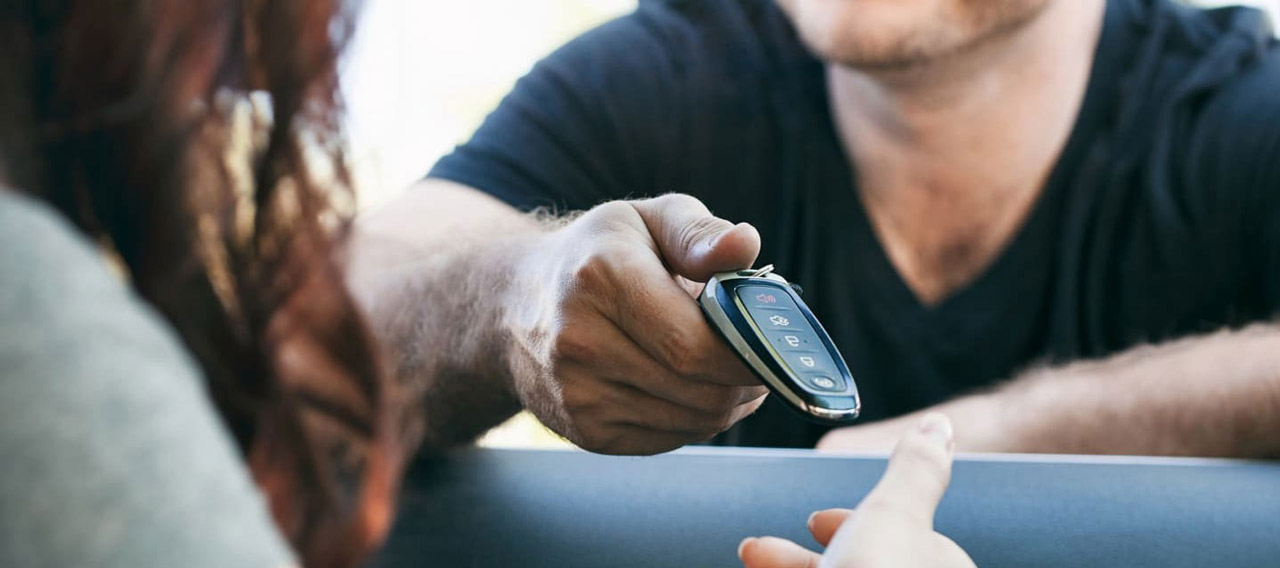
[
  {"x": 1250, "y": 99},
  {"x": 1205, "y": 87},
  {"x": 621, "y": 108},
  {"x": 1230, "y": 158},
  {"x": 1225, "y": 56},
  {"x": 1232, "y": 137}
]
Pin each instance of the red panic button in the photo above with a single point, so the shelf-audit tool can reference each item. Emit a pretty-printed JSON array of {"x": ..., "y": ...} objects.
[{"x": 766, "y": 297}]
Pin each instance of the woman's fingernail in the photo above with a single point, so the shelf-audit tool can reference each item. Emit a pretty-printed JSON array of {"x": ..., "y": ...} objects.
[
  {"x": 938, "y": 428},
  {"x": 743, "y": 545},
  {"x": 812, "y": 516}
]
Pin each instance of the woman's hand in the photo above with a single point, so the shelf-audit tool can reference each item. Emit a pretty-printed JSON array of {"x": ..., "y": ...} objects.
[{"x": 893, "y": 527}]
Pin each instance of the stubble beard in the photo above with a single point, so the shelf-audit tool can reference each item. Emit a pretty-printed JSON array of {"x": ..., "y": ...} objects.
[{"x": 973, "y": 24}]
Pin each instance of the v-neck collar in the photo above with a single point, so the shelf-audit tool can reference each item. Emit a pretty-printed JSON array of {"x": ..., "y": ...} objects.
[{"x": 1005, "y": 276}]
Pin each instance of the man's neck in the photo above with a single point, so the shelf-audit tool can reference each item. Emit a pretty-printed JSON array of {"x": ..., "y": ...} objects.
[{"x": 951, "y": 154}]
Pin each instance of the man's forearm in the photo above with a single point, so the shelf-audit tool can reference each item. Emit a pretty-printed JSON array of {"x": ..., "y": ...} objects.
[
  {"x": 1212, "y": 396},
  {"x": 1216, "y": 396},
  {"x": 425, "y": 269}
]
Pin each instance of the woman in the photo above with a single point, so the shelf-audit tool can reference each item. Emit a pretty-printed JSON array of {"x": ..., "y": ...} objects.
[
  {"x": 129, "y": 127},
  {"x": 150, "y": 401}
]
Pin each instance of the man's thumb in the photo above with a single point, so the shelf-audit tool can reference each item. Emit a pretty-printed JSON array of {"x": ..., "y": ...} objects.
[{"x": 694, "y": 243}]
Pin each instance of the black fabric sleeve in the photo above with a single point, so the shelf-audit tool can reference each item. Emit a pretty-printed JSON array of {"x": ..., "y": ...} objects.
[{"x": 583, "y": 126}]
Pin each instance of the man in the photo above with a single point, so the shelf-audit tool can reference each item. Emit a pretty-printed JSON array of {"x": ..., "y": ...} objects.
[{"x": 976, "y": 195}]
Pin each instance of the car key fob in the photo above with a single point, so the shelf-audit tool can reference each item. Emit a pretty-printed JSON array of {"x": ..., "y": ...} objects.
[{"x": 774, "y": 333}]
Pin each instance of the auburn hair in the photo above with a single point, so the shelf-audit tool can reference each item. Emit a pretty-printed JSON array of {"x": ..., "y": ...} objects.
[{"x": 200, "y": 141}]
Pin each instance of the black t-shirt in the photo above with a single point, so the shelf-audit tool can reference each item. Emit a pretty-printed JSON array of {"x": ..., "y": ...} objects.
[{"x": 1161, "y": 218}]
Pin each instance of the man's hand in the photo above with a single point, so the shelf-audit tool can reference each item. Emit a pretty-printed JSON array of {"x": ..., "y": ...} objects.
[
  {"x": 591, "y": 324},
  {"x": 893, "y": 527},
  {"x": 607, "y": 346}
]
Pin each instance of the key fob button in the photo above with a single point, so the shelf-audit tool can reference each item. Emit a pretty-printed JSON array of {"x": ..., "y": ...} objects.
[
  {"x": 766, "y": 297},
  {"x": 793, "y": 340},
  {"x": 809, "y": 362},
  {"x": 824, "y": 383},
  {"x": 779, "y": 320},
  {"x": 772, "y": 309}
]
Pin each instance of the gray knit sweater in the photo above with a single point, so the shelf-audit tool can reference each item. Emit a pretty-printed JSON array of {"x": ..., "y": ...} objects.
[{"x": 111, "y": 453}]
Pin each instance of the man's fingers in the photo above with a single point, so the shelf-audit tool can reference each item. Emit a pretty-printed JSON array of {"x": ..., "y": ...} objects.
[
  {"x": 659, "y": 316},
  {"x": 635, "y": 407},
  {"x": 628, "y": 278},
  {"x": 601, "y": 347},
  {"x": 824, "y": 524},
  {"x": 770, "y": 552},
  {"x": 917, "y": 476},
  {"x": 632, "y": 440},
  {"x": 695, "y": 243}
]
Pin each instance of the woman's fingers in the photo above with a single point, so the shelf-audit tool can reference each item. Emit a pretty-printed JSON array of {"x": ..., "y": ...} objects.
[
  {"x": 770, "y": 552},
  {"x": 917, "y": 476},
  {"x": 893, "y": 526},
  {"x": 824, "y": 524}
]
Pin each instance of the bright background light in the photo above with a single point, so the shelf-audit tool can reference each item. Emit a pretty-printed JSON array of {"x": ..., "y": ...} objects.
[{"x": 422, "y": 74}]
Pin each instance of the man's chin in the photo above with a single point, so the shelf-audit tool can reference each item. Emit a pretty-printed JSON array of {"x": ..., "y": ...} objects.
[
  {"x": 897, "y": 57},
  {"x": 877, "y": 50},
  {"x": 905, "y": 36}
]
